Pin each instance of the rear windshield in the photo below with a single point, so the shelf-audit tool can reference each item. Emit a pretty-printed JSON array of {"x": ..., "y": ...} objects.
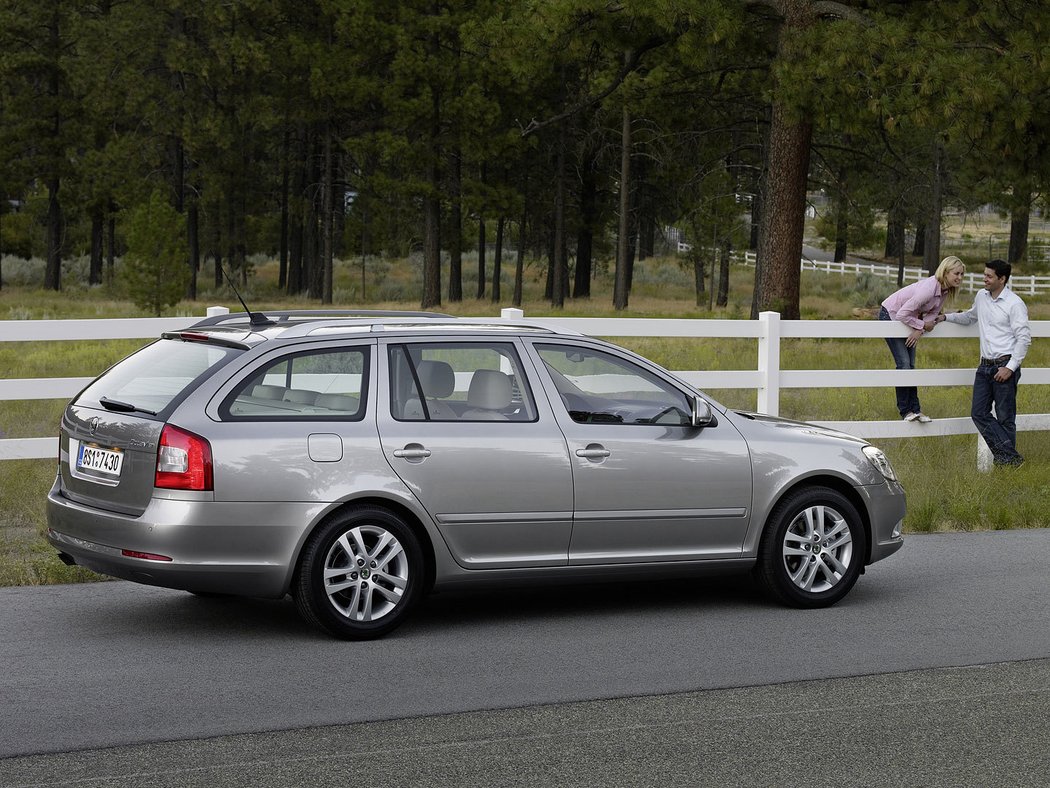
[{"x": 156, "y": 377}]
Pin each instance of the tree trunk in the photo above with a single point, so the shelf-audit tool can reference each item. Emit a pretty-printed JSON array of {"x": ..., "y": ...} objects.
[
  {"x": 497, "y": 260},
  {"x": 646, "y": 233},
  {"x": 193, "y": 239},
  {"x": 1019, "y": 219},
  {"x": 299, "y": 210},
  {"x": 53, "y": 269},
  {"x": 632, "y": 233},
  {"x": 216, "y": 248},
  {"x": 98, "y": 224},
  {"x": 698, "y": 276},
  {"x": 111, "y": 248},
  {"x": 931, "y": 253},
  {"x": 519, "y": 264},
  {"x": 482, "y": 242},
  {"x": 581, "y": 287},
  {"x": 920, "y": 240},
  {"x": 559, "y": 280},
  {"x": 841, "y": 219},
  {"x": 620, "y": 287},
  {"x": 723, "y": 275},
  {"x": 894, "y": 232},
  {"x": 431, "y": 243},
  {"x": 313, "y": 270},
  {"x": 327, "y": 211},
  {"x": 756, "y": 221},
  {"x": 782, "y": 229},
  {"x": 282, "y": 268},
  {"x": 455, "y": 241}
]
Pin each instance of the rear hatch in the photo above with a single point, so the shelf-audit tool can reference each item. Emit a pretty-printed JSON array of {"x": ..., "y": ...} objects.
[{"x": 110, "y": 432}]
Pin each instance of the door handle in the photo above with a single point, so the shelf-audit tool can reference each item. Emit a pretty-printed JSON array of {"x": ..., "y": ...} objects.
[
  {"x": 412, "y": 452},
  {"x": 593, "y": 452}
]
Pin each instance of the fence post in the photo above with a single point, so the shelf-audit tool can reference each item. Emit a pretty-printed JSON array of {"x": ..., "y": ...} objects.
[
  {"x": 984, "y": 455},
  {"x": 769, "y": 364},
  {"x": 218, "y": 310},
  {"x": 510, "y": 313}
]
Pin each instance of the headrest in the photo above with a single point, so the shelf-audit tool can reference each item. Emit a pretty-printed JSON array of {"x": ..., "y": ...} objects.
[
  {"x": 337, "y": 402},
  {"x": 436, "y": 378},
  {"x": 489, "y": 389},
  {"x": 302, "y": 396},
  {"x": 264, "y": 391}
]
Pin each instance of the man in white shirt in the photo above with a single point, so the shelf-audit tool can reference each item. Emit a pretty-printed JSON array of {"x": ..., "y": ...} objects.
[{"x": 1002, "y": 320}]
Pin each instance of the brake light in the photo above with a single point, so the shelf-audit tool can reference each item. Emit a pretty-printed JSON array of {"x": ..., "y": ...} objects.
[{"x": 183, "y": 461}]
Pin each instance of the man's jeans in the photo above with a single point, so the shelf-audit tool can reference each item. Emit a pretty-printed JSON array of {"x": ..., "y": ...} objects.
[
  {"x": 904, "y": 358},
  {"x": 999, "y": 431}
]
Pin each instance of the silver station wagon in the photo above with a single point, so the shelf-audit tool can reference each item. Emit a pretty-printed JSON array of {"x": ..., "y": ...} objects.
[{"x": 359, "y": 461}]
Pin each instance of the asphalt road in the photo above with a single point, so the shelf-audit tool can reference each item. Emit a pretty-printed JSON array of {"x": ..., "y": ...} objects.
[{"x": 628, "y": 684}]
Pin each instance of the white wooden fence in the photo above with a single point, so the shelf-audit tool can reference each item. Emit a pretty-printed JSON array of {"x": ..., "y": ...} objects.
[
  {"x": 972, "y": 282},
  {"x": 768, "y": 380}
]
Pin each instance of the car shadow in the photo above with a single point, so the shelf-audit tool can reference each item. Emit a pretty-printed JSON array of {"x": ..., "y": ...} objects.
[
  {"x": 609, "y": 600},
  {"x": 164, "y": 612}
]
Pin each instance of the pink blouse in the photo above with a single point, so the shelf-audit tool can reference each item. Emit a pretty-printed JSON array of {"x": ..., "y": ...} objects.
[{"x": 917, "y": 303}]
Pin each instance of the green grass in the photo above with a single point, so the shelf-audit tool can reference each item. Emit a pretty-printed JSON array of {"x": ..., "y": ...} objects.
[{"x": 945, "y": 492}]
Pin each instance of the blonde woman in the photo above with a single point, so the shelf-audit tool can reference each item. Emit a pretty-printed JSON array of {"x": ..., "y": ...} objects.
[{"x": 918, "y": 306}]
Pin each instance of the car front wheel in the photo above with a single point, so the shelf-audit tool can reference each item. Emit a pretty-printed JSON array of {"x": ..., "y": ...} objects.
[
  {"x": 813, "y": 548},
  {"x": 360, "y": 574}
]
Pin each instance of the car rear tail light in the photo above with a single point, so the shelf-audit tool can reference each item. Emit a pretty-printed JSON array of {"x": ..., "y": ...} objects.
[
  {"x": 144, "y": 556},
  {"x": 183, "y": 461}
]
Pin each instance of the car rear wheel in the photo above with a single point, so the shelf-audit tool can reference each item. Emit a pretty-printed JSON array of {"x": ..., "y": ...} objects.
[
  {"x": 813, "y": 548},
  {"x": 360, "y": 574}
]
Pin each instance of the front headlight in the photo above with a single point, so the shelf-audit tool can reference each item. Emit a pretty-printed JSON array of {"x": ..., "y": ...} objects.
[{"x": 880, "y": 461}]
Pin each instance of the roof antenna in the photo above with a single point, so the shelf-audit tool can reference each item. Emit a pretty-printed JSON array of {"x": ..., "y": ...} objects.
[{"x": 254, "y": 318}]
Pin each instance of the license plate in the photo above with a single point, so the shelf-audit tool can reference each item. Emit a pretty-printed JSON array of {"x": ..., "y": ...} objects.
[{"x": 95, "y": 458}]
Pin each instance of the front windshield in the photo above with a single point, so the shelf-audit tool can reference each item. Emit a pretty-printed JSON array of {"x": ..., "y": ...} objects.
[{"x": 151, "y": 379}]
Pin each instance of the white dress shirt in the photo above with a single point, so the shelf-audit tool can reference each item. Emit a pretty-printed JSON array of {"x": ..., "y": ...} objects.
[{"x": 1003, "y": 325}]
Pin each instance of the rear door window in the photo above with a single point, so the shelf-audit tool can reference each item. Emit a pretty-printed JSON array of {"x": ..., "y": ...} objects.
[
  {"x": 458, "y": 381},
  {"x": 319, "y": 385}
]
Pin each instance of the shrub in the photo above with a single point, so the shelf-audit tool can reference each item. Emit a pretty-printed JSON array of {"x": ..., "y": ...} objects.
[{"x": 155, "y": 264}]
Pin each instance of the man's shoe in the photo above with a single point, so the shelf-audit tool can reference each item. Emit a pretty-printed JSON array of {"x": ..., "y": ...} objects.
[
  {"x": 922, "y": 418},
  {"x": 911, "y": 416}
]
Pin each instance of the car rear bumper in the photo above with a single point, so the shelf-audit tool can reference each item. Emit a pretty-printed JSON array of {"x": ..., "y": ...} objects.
[{"x": 246, "y": 549}]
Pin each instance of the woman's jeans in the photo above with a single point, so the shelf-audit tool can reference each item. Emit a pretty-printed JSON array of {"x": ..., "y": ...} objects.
[
  {"x": 999, "y": 431},
  {"x": 904, "y": 358}
]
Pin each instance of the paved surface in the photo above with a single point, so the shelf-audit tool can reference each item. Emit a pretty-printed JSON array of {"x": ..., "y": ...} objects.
[
  {"x": 116, "y": 664},
  {"x": 984, "y": 726}
]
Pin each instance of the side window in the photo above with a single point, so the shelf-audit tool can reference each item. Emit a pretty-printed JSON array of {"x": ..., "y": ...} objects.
[
  {"x": 461, "y": 381},
  {"x": 316, "y": 386},
  {"x": 600, "y": 388}
]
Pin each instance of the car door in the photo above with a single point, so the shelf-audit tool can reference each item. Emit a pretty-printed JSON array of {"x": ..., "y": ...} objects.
[
  {"x": 460, "y": 426},
  {"x": 648, "y": 486}
]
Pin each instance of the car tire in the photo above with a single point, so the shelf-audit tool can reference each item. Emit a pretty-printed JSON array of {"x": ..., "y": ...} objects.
[
  {"x": 813, "y": 548},
  {"x": 383, "y": 575}
]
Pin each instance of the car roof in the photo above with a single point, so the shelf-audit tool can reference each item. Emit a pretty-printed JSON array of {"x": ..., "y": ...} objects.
[{"x": 242, "y": 329}]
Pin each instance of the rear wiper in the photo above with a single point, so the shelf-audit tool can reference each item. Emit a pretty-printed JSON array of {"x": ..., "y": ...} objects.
[{"x": 123, "y": 407}]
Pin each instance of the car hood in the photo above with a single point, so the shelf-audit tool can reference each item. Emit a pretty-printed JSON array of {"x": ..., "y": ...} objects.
[{"x": 798, "y": 427}]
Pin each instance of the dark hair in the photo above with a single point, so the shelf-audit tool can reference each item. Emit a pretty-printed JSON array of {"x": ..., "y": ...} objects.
[{"x": 1001, "y": 268}]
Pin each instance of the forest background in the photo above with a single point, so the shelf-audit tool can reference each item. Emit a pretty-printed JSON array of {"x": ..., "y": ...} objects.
[{"x": 157, "y": 139}]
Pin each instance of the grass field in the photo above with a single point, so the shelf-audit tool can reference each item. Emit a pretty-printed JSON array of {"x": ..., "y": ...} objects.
[{"x": 945, "y": 491}]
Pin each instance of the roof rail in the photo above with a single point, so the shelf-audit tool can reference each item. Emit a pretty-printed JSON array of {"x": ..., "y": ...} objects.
[{"x": 287, "y": 316}]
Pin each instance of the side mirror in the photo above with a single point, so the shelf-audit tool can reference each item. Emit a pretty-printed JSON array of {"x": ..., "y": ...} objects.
[{"x": 701, "y": 413}]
